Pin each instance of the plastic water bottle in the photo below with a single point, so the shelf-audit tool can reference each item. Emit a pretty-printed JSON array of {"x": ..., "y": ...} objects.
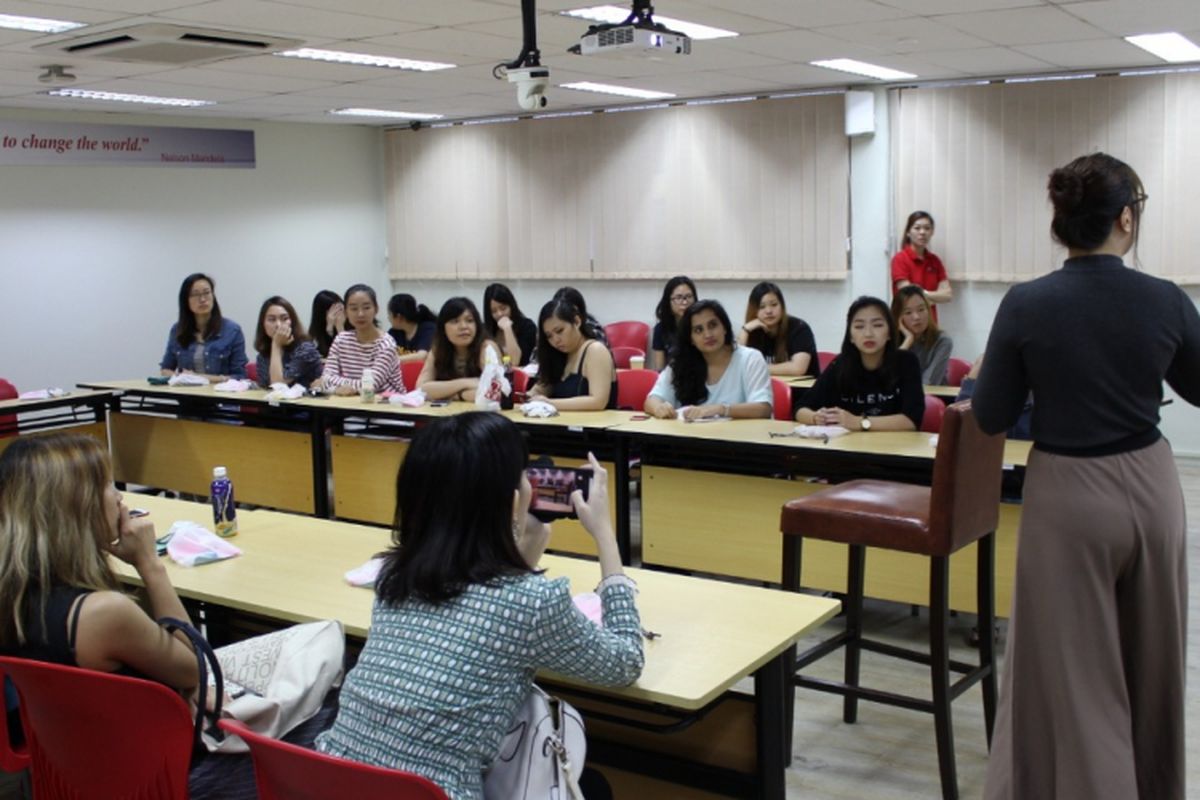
[
  {"x": 368, "y": 385},
  {"x": 506, "y": 400},
  {"x": 224, "y": 510}
]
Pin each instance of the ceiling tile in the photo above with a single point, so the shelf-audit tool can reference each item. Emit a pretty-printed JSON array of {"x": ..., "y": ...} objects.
[
  {"x": 987, "y": 61},
  {"x": 811, "y": 13},
  {"x": 911, "y": 35},
  {"x": 280, "y": 19},
  {"x": 1087, "y": 55},
  {"x": 1023, "y": 26}
]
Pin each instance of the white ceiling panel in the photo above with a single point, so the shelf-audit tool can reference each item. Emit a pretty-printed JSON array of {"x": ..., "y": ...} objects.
[{"x": 936, "y": 39}]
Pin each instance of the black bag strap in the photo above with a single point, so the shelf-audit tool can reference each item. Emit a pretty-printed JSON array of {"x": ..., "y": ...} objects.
[{"x": 206, "y": 659}]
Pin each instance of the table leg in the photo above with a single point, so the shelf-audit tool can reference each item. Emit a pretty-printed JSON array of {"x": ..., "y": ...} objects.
[
  {"x": 320, "y": 459},
  {"x": 769, "y": 721},
  {"x": 624, "y": 525}
]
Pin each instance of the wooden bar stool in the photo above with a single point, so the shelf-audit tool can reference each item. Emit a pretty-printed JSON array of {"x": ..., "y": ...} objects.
[{"x": 961, "y": 507}]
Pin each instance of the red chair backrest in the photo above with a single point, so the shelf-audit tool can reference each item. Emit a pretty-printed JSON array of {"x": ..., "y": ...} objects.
[
  {"x": 935, "y": 409},
  {"x": 95, "y": 734},
  {"x": 8, "y": 422},
  {"x": 12, "y": 759},
  {"x": 252, "y": 371},
  {"x": 409, "y": 372},
  {"x": 825, "y": 358},
  {"x": 622, "y": 353},
  {"x": 520, "y": 381},
  {"x": 781, "y": 399},
  {"x": 628, "y": 333},
  {"x": 632, "y": 387},
  {"x": 288, "y": 772},
  {"x": 956, "y": 370},
  {"x": 964, "y": 503}
]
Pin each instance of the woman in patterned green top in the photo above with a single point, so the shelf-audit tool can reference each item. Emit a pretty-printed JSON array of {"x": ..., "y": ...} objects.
[{"x": 462, "y": 617}]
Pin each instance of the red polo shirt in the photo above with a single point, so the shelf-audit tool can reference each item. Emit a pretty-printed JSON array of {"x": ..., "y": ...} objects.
[{"x": 925, "y": 271}]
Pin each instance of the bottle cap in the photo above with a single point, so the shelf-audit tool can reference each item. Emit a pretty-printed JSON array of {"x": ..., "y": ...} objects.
[{"x": 219, "y": 472}]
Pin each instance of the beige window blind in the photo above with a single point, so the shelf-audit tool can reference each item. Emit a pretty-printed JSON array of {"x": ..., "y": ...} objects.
[
  {"x": 978, "y": 158},
  {"x": 757, "y": 189}
]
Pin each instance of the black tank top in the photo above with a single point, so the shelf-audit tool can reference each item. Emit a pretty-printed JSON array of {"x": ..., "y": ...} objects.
[{"x": 576, "y": 385}]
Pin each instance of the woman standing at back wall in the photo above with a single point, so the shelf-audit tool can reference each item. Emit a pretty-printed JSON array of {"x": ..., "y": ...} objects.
[
  {"x": 915, "y": 263},
  {"x": 1093, "y": 698}
]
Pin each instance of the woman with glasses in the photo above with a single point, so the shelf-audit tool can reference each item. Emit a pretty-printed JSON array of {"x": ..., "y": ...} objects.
[
  {"x": 1093, "y": 698},
  {"x": 677, "y": 296},
  {"x": 202, "y": 341}
]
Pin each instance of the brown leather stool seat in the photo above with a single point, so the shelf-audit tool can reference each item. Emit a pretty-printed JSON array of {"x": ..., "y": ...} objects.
[{"x": 961, "y": 507}]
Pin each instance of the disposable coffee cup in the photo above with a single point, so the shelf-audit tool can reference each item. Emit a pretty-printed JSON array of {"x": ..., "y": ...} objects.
[{"x": 637, "y": 362}]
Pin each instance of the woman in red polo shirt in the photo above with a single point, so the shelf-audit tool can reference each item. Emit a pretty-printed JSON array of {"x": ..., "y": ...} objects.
[{"x": 916, "y": 264}]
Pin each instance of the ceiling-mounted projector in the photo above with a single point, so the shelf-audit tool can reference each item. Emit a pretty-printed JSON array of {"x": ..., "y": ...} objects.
[{"x": 632, "y": 39}]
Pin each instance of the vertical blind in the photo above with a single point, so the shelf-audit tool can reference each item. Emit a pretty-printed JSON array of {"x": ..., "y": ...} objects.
[
  {"x": 978, "y": 158},
  {"x": 750, "y": 190}
]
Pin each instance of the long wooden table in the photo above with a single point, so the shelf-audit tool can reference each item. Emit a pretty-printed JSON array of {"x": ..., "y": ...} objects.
[
  {"x": 712, "y": 635},
  {"x": 77, "y": 411},
  {"x": 712, "y": 492}
]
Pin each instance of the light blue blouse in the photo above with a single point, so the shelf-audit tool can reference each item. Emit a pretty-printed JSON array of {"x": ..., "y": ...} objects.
[{"x": 746, "y": 380}]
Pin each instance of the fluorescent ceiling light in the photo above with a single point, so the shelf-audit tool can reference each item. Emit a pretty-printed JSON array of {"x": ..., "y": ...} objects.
[
  {"x": 616, "y": 14},
  {"x": 364, "y": 60},
  {"x": 623, "y": 91},
  {"x": 37, "y": 24},
  {"x": 118, "y": 97},
  {"x": 1042, "y": 78},
  {"x": 1172, "y": 47},
  {"x": 863, "y": 68},
  {"x": 381, "y": 112}
]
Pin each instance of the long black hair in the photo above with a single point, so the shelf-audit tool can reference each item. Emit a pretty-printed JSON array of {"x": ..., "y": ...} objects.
[
  {"x": 322, "y": 302},
  {"x": 551, "y": 360},
  {"x": 590, "y": 324},
  {"x": 503, "y": 295},
  {"x": 663, "y": 312},
  {"x": 444, "y": 368},
  {"x": 850, "y": 367},
  {"x": 453, "y": 525},
  {"x": 405, "y": 305},
  {"x": 185, "y": 334},
  {"x": 759, "y": 339},
  {"x": 689, "y": 370}
]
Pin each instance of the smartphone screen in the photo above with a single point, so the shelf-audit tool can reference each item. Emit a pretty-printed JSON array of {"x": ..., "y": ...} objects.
[{"x": 552, "y": 488}]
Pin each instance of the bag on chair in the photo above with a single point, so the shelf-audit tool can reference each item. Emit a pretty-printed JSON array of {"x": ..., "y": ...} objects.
[
  {"x": 286, "y": 675},
  {"x": 542, "y": 754}
]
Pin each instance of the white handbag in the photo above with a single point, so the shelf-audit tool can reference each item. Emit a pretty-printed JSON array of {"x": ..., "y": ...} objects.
[
  {"x": 286, "y": 675},
  {"x": 542, "y": 754}
]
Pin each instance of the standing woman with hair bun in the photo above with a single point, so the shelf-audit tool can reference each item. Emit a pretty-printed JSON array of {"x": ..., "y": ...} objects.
[{"x": 1092, "y": 703}]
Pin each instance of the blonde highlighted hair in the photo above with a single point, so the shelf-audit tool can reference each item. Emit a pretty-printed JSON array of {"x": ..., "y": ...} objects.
[{"x": 52, "y": 524}]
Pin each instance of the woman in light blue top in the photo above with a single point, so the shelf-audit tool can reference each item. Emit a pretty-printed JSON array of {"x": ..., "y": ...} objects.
[
  {"x": 463, "y": 618},
  {"x": 709, "y": 374},
  {"x": 202, "y": 341}
]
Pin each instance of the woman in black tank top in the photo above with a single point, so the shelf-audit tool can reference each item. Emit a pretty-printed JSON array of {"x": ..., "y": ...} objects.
[{"x": 575, "y": 371}]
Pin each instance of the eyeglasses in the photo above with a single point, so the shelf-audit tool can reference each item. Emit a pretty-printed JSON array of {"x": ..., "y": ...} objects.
[
  {"x": 205, "y": 295},
  {"x": 682, "y": 298},
  {"x": 1140, "y": 199}
]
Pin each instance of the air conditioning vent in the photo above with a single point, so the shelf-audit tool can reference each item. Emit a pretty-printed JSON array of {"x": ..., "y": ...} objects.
[{"x": 168, "y": 44}]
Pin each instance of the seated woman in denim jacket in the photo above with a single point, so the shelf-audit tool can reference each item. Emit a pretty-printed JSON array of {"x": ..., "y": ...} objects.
[{"x": 202, "y": 341}]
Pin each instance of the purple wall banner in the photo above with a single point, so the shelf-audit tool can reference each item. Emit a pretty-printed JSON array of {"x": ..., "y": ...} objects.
[{"x": 133, "y": 145}]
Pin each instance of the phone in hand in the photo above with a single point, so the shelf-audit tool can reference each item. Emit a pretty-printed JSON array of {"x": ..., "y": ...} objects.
[{"x": 552, "y": 488}]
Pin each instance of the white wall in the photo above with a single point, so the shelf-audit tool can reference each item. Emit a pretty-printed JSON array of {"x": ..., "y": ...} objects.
[{"x": 91, "y": 258}]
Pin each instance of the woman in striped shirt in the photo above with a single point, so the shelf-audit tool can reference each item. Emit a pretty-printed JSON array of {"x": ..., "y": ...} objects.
[{"x": 365, "y": 346}]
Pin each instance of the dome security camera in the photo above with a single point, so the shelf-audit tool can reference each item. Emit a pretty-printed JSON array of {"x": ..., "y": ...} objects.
[{"x": 532, "y": 83}]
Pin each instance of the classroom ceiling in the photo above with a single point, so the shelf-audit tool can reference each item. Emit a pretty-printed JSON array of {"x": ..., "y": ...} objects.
[{"x": 934, "y": 39}]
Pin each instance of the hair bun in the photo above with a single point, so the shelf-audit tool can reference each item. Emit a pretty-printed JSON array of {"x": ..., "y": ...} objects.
[{"x": 1066, "y": 189}]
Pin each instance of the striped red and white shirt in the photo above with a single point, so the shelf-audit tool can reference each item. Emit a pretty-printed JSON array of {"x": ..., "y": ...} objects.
[{"x": 348, "y": 357}]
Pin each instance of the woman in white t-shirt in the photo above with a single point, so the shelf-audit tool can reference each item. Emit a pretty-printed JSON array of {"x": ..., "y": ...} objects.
[{"x": 709, "y": 374}]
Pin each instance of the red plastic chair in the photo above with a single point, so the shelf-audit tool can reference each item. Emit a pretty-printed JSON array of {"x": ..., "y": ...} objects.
[
  {"x": 409, "y": 372},
  {"x": 288, "y": 772},
  {"x": 252, "y": 371},
  {"x": 633, "y": 385},
  {"x": 12, "y": 759},
  {"x": 781, "y": 399},
  {"x": 824, "y": 359},
  {"x": 628, "y": 333},
  {"x": 8, "y": 422},
  {"x": 98, "y": 735},
  {"x": 520, "y": 381},
  {"x": 956, "y": 370},
  {"x": 935, "y": 409},
  {"x": 622, "y": 353}
]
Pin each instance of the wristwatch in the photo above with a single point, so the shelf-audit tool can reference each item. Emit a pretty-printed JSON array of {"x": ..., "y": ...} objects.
[{"x": 866, "y": 423}]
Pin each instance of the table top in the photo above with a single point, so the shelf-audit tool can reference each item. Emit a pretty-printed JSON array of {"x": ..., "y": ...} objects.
[
  {"x": 713, "y": 633},
  {"x": 901, "y": 444},
  {"x": 72, "y": 397},
  {"x": 142, "y": 386}
]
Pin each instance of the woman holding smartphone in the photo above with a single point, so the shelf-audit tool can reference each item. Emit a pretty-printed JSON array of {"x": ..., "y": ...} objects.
[
  {"x": 709, "y": 374},
  {"x": 285, "y": 353},
  {"x": 463, "y": 618},
  {"x": 364, "y": 346},
  {"x": 872, "y": 385},
  {"x": 460, "y": 351},
  {"x": 202, "y": 341}
]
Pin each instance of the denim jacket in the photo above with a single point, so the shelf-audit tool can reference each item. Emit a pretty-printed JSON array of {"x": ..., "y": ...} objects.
[{"x": 224, "y": 354}]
